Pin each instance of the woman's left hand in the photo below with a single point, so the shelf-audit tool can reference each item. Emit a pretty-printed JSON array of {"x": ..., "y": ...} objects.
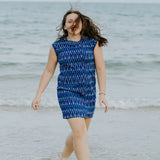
[{"x": 102, "y": 99}]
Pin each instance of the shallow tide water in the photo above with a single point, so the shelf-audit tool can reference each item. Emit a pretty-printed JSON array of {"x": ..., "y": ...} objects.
[{"x": 116, "y": 135}]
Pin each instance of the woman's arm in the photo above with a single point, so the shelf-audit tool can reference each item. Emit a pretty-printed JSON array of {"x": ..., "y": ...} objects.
[
  {"x": 100, "y": 68},
  {"x": 46, "y": 77},
  {"x": 101, "y": 74},
  {"x": 48, "y": 72}
]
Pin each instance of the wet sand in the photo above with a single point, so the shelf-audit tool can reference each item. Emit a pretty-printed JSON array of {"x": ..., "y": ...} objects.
[{"x": 119, "y": 134}]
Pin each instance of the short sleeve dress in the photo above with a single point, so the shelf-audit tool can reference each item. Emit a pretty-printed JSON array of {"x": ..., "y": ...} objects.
[{"x": 76, "y": 89}]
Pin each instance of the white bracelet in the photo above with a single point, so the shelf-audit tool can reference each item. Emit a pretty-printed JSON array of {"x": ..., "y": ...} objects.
[{"x": 102, "y": 93}]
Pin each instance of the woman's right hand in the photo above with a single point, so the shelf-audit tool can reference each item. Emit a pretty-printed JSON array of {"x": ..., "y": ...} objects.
[{"x": 36, "y": 102}]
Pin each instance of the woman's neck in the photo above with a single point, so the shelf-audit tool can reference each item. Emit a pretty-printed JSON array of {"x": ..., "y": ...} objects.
[{"x": 74, "y": 37}]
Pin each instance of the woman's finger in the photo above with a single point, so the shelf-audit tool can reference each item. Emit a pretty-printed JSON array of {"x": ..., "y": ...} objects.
[
  {"x": 100, "y": 102},
  {"x": 105, "y": 103},
  {"x": 35, "y": 105},
  {"x": 106, "y": 106},
  {"x": 106, "y": 109}
]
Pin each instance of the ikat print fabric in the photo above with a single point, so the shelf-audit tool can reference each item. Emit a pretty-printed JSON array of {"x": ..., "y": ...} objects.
[{"x": 76, "y": 89}]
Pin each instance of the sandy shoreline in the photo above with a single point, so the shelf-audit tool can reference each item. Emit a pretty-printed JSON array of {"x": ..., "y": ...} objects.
[{"x": 119, "y": 134}]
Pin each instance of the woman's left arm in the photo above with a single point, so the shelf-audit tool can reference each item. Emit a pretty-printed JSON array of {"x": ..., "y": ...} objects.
[{"x": 101, "y": 74}]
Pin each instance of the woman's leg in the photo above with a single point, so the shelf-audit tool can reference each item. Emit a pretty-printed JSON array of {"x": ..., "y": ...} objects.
[
  {"x": 80, "y": 144},
  {"x": 68, "y": 149}
]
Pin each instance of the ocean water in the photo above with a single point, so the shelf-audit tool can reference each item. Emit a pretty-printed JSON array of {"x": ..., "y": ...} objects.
[{"x": 132, "y": 57}]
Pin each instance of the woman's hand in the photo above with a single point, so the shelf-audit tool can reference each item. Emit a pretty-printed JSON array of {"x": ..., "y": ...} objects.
[
  {"x": 102, "y": 99},
  {"x": 36, "y": 102}
]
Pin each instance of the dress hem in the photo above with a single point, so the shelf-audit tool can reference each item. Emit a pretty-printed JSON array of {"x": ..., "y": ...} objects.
[{"x": 77, "y": 116}]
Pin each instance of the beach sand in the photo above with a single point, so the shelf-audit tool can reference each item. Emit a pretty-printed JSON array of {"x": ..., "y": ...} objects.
[{"x": 119, "y": 134}]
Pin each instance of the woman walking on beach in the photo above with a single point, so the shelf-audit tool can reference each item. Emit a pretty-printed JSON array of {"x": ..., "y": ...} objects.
[{"x": 79, "y": 53}]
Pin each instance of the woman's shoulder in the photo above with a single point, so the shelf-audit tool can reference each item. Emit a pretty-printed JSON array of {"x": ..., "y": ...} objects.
[{"x": 92, "y": 41}]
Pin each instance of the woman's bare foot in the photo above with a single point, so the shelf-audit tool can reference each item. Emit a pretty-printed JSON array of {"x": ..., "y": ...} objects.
[{"x": 60, "y": 156}]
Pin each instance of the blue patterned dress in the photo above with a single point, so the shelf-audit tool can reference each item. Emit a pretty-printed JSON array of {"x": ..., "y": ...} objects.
[{"x": 76, "y": 90}]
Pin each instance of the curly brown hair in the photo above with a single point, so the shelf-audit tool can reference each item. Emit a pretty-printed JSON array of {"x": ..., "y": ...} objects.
[{"x": 88, "y": 27}]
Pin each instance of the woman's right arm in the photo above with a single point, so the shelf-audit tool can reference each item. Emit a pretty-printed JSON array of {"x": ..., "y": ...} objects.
[{"x": 46, "y": 76}]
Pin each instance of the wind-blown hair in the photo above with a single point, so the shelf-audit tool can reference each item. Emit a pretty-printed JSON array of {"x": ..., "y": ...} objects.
[{"x": 88, "y": 27}]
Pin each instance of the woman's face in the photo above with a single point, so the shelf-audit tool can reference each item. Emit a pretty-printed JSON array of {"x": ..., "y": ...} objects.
[{"x": 70, "y": 24}]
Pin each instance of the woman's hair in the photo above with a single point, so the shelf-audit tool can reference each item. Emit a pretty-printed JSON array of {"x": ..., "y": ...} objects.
[{"x": 88, "y": 27}]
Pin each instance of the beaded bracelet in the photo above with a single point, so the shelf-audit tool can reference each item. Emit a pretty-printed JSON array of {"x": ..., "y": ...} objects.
[{"x": 102, "y": 93}]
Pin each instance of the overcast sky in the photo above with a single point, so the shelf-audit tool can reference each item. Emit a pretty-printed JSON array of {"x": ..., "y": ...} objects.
[{"x": 139, "y": 1}]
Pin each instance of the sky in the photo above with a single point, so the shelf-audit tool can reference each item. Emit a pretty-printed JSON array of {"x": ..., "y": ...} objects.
[{"x": 128, "y": 1}]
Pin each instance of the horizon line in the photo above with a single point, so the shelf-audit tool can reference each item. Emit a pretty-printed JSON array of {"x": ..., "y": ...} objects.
[{"x": 82, "y": 1}]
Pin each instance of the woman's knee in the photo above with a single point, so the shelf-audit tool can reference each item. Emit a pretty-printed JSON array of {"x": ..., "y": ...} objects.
[
  {"x": 78, "y": 127},
  {"x": 80, "y": 132}
]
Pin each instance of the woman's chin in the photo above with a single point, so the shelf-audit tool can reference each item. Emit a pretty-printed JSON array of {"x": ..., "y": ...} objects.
[{"x": 76, "y": 33}]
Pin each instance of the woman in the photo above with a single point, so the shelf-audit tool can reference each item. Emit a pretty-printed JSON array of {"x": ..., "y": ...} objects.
[{"x": 79, "y": 53}]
